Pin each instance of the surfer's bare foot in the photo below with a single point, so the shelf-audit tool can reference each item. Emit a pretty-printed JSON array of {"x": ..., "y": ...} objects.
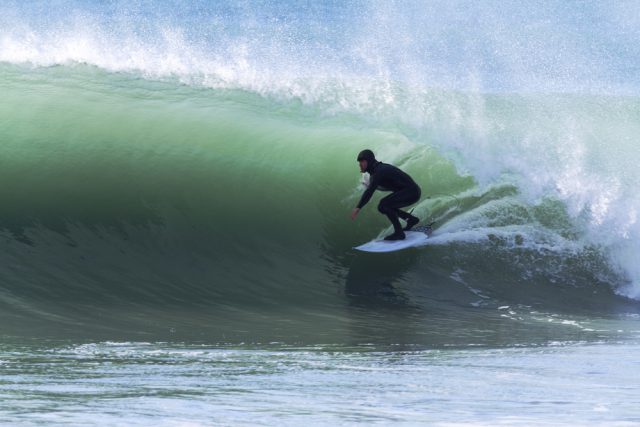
[
  {"x": 395, "y": 236},
  {"x": 411, "y": 222}
]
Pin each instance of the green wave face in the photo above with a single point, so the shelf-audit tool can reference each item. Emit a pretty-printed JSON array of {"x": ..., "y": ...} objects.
[
  {"x": 129, "y": 203},
  {"x": 222, "y": 170}
]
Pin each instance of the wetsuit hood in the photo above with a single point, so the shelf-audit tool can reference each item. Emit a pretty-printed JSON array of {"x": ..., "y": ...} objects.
[{"x": 370, "y": 158}]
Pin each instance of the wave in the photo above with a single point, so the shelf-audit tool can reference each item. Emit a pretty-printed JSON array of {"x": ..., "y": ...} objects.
[
  {"x": 168, "y": 173},
  {"x": 229, "y": 171}
]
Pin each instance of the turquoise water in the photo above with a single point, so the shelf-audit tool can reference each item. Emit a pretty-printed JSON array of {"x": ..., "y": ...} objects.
[{"x": 176, "y": 241}]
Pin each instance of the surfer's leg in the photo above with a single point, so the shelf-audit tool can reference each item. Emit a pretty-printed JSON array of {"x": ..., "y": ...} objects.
[
  {"x": 387, "y": 207},
  {"x": 391, "y": 204},
  {"x": 391, "y": 213},
  {"x": 404, "y": 215},
  {"x": 400, "y": 199}
]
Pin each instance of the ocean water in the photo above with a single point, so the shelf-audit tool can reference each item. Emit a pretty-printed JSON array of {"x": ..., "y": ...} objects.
[{"x": 177, "y": 179}]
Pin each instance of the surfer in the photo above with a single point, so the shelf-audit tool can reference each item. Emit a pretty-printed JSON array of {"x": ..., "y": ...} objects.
[{"x": 387, "y": 177}]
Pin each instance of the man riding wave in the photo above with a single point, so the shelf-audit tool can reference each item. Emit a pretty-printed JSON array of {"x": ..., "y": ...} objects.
[{"x": 385, "y": 177}]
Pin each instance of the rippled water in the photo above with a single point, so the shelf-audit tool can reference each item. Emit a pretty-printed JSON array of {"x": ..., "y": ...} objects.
[{"x": 164, "y": 384}]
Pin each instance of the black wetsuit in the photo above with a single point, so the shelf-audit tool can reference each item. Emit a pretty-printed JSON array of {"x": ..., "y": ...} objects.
[{"x": 389, "y": 178}]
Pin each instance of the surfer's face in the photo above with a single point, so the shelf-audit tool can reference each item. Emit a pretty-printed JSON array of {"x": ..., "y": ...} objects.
[{"x": 363, "y": 165}]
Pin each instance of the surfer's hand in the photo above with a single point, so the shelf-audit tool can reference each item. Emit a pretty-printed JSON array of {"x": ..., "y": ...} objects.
[{"x": 354, "y": 213}]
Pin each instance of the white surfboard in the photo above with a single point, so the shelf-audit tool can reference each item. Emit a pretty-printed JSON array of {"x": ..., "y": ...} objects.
[{"x": 412, "y": 239}]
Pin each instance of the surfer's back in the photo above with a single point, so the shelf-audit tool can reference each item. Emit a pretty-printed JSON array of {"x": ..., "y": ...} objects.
[{"x": 392, "y": 178}]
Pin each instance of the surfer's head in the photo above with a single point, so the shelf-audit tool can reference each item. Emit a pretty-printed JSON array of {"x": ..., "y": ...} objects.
[{"x": 367, "y": 159}]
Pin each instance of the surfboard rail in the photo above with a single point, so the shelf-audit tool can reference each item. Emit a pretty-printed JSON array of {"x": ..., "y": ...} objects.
[{"x": 413, "y": 239}]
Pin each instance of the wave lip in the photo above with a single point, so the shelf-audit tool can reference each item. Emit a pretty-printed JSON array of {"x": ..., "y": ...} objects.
[{"x": 464, "y": 46}]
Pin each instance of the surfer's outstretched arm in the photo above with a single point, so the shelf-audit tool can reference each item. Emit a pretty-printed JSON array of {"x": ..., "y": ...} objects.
[{"x": 366, "y": 196}]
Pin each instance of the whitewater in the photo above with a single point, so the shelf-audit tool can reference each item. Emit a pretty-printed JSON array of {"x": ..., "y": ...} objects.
[{"x": 177, "y": 180}]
